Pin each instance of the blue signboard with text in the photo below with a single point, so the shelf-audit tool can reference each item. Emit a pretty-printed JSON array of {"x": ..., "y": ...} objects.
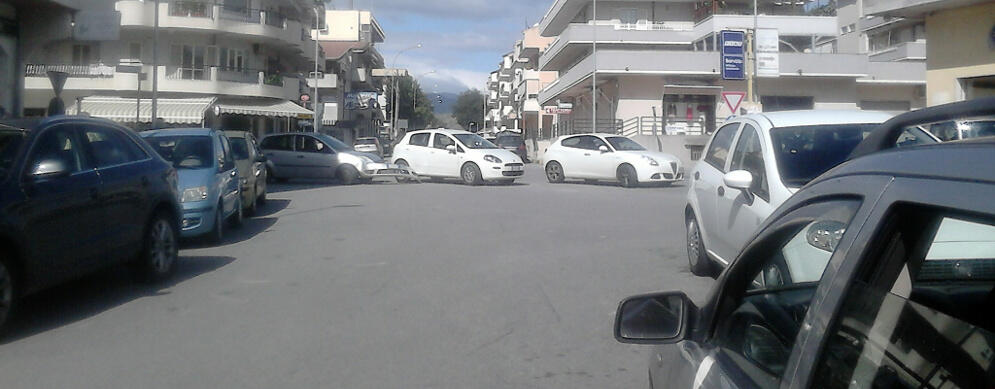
[{"x": 733, "y": 55}]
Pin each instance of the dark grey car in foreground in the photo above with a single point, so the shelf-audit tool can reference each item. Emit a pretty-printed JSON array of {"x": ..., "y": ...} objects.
[{"x": 878, "y": 274}]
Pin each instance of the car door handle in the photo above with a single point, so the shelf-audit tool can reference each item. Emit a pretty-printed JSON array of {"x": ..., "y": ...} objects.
[
  {"x": 587, "y": 154},
  {"x": 722, "y": 191}
]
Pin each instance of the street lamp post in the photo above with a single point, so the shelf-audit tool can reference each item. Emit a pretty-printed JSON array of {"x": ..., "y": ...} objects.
[
  {"x": 594, "y": 72},
  {"x": 155, "y": 66},
  {"x": 316, "y": 117}
]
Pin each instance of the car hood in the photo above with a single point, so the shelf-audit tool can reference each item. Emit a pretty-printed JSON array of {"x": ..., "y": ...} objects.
[
  {"x": 505, "y": 155},
  {"x": 658, "y": 156},
  {"x": 374, "y": 157},
  {"x": 192, "y": 178}
]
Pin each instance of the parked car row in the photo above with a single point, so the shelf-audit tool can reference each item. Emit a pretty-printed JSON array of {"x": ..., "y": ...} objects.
[{"x": 867, "y": 262}]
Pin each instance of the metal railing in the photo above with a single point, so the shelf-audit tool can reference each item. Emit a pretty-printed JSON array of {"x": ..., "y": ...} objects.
[
  {"x": 247, "y": 15},
  {"x": 650, "y": 125},
  {"x": 188, "y": 73},
  {"x": 274, "y": 79},
  {"x": 246, "y": 76},
  {"x": 191, "y": 9},
  {"x": 88, "y": 71}
]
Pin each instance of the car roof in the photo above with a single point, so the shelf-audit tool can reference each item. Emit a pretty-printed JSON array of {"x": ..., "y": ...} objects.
[
  {"x": 237, "y": 133},
  {"x": 442, "y": 130},
  {"x": 955, "y": 161},
  {"x": 293, "y": 133},
  {"x": 177, "y": 131},
  {"x": 819, "y": 116}
]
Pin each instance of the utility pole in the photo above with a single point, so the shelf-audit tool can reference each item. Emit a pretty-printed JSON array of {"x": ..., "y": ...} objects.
[
  {"x": 316, "y": 118},
  {"x": 594, "y": 72},
  {"x": 155, "y": 66}
]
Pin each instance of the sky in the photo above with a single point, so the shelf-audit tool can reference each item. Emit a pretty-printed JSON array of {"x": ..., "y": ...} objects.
[{"x": 462, "y": 40}]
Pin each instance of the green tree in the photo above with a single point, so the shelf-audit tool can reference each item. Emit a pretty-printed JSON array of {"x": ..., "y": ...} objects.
[
  {"x": 413, "y": 104},
  {"x": 469, "y": 107}
]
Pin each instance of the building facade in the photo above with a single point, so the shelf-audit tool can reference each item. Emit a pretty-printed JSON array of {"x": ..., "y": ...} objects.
[
  {"x": 513, "y": 89},
  {"x": 658, "y": 64},
  {"x": 237, "y": 64}
]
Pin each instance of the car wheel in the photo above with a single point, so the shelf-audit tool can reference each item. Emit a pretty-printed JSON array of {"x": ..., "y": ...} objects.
[
  {"x": 627, "y": 176},
  {"x": 698, "y": 260},
  {"x": 8, "y": 293},
  {"x": 218, "y": 233},
  {"x": 554, "y": 172},
  {"x": 157, "y": 260},
  {"x": 471, "y": 174},
  {"x": 348, "y": 174},
  {"x": 261, "y": 200},
  {"x": 238, "y": 216},
  {"x": 253, "y": 206}
]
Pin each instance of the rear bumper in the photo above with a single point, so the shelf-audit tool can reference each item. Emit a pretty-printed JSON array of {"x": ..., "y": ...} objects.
[{"x": 375, "y": 170}]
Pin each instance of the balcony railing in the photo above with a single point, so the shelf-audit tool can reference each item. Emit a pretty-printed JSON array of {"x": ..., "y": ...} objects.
[
  {"x": 247, "y": 15},
  {"x": 89, "y": 71},
  {"x": 246, "y": 76},
  {"x": 206, "y": 9},
  {"x": 775, "y": 8},
  {"x": 191, "y": 9}
]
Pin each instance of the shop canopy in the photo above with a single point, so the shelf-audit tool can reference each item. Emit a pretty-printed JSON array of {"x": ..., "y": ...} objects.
[
  {"x": 119, "y": 109},
  {"x": 282, "y": 108}
]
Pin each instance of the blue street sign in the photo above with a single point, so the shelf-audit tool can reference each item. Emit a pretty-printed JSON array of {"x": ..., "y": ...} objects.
[{"x": 733, "y": 56}]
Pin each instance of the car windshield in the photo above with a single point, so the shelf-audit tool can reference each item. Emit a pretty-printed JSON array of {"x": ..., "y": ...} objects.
[
  {"x": 10, "y": 143},
  {"x": 805, "y": 152},
  {"x": 185, "y": 151},
  {"x": 509, "y": 141},
  {"x": 624, "y": 144},
  {"x": 240, "y": 148},
  {"x": 335, "y": 144},
  {"x": 474, "y": 141},
  {"x": 365, "y": 141}
]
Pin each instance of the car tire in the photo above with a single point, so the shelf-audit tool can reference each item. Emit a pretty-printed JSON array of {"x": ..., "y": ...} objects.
[
  {"x": 238, "y": 217},
  {"x": 8, "y": 292},
  {"x": 627, "y": 177},
  {"x": 348, "y": 175},
  {"x": 160, "y": 250},
  {"x": 261, "y": 200},
  {"x": 253, "y": 207},
  {"x": 218, "y": 233},
  {"x": 554, "y": 172},
  {"x": 470, "y": 173},
  {"x": 698, "y": 261}
]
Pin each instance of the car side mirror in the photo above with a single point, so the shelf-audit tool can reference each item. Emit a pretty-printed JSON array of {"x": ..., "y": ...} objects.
[
  {"x": 658, "y": 318},
  {"x": 451, "y": 149},
  {"x": 48, "y": 169},
  {"x": 603, "y": 149},
  {"x": 742, "y": 180}
]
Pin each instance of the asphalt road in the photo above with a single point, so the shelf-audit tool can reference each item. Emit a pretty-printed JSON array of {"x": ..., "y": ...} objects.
[{"x": 433, "y": 285}]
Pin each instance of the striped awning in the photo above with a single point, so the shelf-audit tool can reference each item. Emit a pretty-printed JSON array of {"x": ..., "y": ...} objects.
[
  {"x": 281, "y": 108},
  {"x": 119, "y": 109}
]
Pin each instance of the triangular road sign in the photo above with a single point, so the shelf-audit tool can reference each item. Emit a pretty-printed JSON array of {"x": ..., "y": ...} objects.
[{"x": 733, "y": 99}]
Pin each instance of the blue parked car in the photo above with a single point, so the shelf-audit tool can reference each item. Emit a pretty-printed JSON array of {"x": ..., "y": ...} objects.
[{"x": 208, "y": 179}]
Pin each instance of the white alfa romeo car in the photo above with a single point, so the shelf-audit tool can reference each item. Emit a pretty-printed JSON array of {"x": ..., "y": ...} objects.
[
  {"x": 460, "y": 154},
  {"x": 609, "y": 157}
]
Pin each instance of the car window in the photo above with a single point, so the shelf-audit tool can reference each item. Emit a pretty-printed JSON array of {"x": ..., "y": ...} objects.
[
  {"x": 308, "y": 144},
  {"x": 280, "y": 142},
  {"x": 805, "y": 152},
  {"x": 588, "y": 142},
  {"x": 440, "y": 141},
  {"x": 749, "y": 156},
  {"x": 109, "y": 148},
  {"x": 58, "y": 144},
  {"x": 419, "y": 139},
  {"x": 227, "y": 159},
  {"x": 573, "y": 142},
  {"x": 766, "y": 311},
  {"x": 240, "y": 148},
  {"x": 718, "y": 151},
  {"x": 919, "y": 314}
]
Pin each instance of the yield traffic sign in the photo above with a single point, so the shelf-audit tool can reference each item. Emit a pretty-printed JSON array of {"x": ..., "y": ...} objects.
[{"x": 733, "y": 99}]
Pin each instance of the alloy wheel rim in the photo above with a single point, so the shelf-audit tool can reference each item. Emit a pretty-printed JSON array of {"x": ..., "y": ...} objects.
[
  {"x": 6, "y": 292},
  {"x": 693, "y": 251},
  {"x": 553, "y": 172},
  {"x": 468, "y": 174},
  {"x": 163, "y": 246}
]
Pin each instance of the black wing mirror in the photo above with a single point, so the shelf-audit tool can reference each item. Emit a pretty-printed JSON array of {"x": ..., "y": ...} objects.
[
  {"x": 658, "y": 318},
  {"x": 48, "y": 169}
]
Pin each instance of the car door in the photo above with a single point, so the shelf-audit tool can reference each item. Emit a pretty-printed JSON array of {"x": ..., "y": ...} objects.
[
  {"x": 765, "y": 298},
  {"x": 603, "y": 165},
  {"x": 572, "y": 156},
  {"x": 227, "y": 176},
  {"x": 279, "y": 149},
  {"x": 318, "y": 159},
  {"x": 707, "y": 184},
  {"x": 441, "y": 162},
  {"x": 62, "y": 215},
  {"x": 125, "y": 174},
  {"x": 738, "y": 214},
  {"x": 417, "y": 152}
]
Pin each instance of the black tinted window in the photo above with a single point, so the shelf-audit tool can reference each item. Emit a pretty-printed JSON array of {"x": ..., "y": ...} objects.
[
  {"x": 718, "y": 151},
  {"x": 57, "y": 144},
  {"x": 573, "y": 142},
  {"x": 240, "y": 148},
  {"x": 419, "y": 139},
  {"x": 805, "y": 152},
  {"x": 749, "y": 156},
  {"x": 110, "y": 148},
  {"x": 308, "y": 144},
  {"x": 281, "y": 142}
]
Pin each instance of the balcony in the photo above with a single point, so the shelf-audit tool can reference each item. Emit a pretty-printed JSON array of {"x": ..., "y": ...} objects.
[
  {"x": 797, "y": 25},
  {"x": 907, "y": 51},
  {"x": 577, "y": 37},
  {"x": 209, "y": 16}
]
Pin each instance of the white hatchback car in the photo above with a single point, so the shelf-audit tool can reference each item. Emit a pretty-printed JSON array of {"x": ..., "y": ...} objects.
[
  {"x": 753, "y": 164},
  {"x": 460, "y": 154},
  {"x": 609, "y": 157}
]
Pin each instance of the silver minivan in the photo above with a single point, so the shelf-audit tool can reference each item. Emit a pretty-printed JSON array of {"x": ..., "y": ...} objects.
[{"x": 314, "y": 155}]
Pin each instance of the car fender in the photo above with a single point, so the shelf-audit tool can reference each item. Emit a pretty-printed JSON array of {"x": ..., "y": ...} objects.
[{"x": 692, "y": 204}]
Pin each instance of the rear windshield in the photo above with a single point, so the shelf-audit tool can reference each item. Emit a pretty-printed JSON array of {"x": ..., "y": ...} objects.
[
  {"x": 805, "y": 152},
  {"x": 185, "y": 152},
  {"x": 240, "y": 148}
]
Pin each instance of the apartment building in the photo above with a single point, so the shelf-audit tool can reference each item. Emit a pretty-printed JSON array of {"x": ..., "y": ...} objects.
[
  {"x": 225, "y": 64},
  {"x": 513, "y": 89},
  {"x": 960, "y": 54},
  {"x": 351, "y": 87},
  {"x": 658, "y": 64}
]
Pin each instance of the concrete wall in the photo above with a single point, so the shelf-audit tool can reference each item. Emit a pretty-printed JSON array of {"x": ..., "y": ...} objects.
[
  {"x": 964, "y": 52},
  {"x": 343, "y": 25}
]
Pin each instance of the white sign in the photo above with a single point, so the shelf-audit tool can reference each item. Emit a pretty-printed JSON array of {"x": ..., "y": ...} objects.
[
  {"x": 97, "y": 26},
  {"x": 565, "y": 105},
  {"x": 768, "y": 59},
  {"x": 557, "y": 111}
]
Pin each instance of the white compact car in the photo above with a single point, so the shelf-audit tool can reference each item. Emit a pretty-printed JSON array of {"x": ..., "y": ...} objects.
[
  {"x": 609, "y": 157},
  {"x": 460, "y": 154},
  {"x": 753, "y": 163}
]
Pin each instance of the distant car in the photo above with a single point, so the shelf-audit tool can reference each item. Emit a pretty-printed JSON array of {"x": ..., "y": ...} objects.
[
  {"x": 513, "y": 143},
  {"x": 314, "y": 155},
  {"x": 877, "y": 274},
  {"x": 209, "y": 186},
  {"x": 251, "y": 165},
  {"x": 753, "y": 163},
  {"x": 460, "y": 154},
  {"x": 963, "y": 129},
  {"x": 369, "y": 145},
  {"x": 78, "y": 194},
  {"x": 609, "y": 157}
]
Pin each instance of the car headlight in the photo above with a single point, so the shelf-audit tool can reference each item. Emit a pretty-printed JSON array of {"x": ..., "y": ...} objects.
[
  {"x": 492, "y": 159},
  {"x": 652, "y": 161},
  {"x": 194, "y": 194}
]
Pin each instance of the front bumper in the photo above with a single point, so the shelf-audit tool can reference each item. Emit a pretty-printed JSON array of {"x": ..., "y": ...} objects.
[
  {"x": 376, "y": 170},
  {"x": 662, "y": 173},
  {"x": 198, "y": 219},
  {"x": 500, "y": 171}
]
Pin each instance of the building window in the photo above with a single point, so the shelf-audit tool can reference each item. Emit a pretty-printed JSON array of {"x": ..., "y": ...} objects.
[
  {"x": 628, "y": 16},
  {"x": 135, "y": 51},
  {"x": 84, "y": 54},
  {"x": 233, "y": 59}
]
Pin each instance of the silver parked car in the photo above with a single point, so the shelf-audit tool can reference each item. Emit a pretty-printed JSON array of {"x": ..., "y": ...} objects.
[
  {"x": 313, "y": 155},
  {"x": 251, "y": 167}
]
